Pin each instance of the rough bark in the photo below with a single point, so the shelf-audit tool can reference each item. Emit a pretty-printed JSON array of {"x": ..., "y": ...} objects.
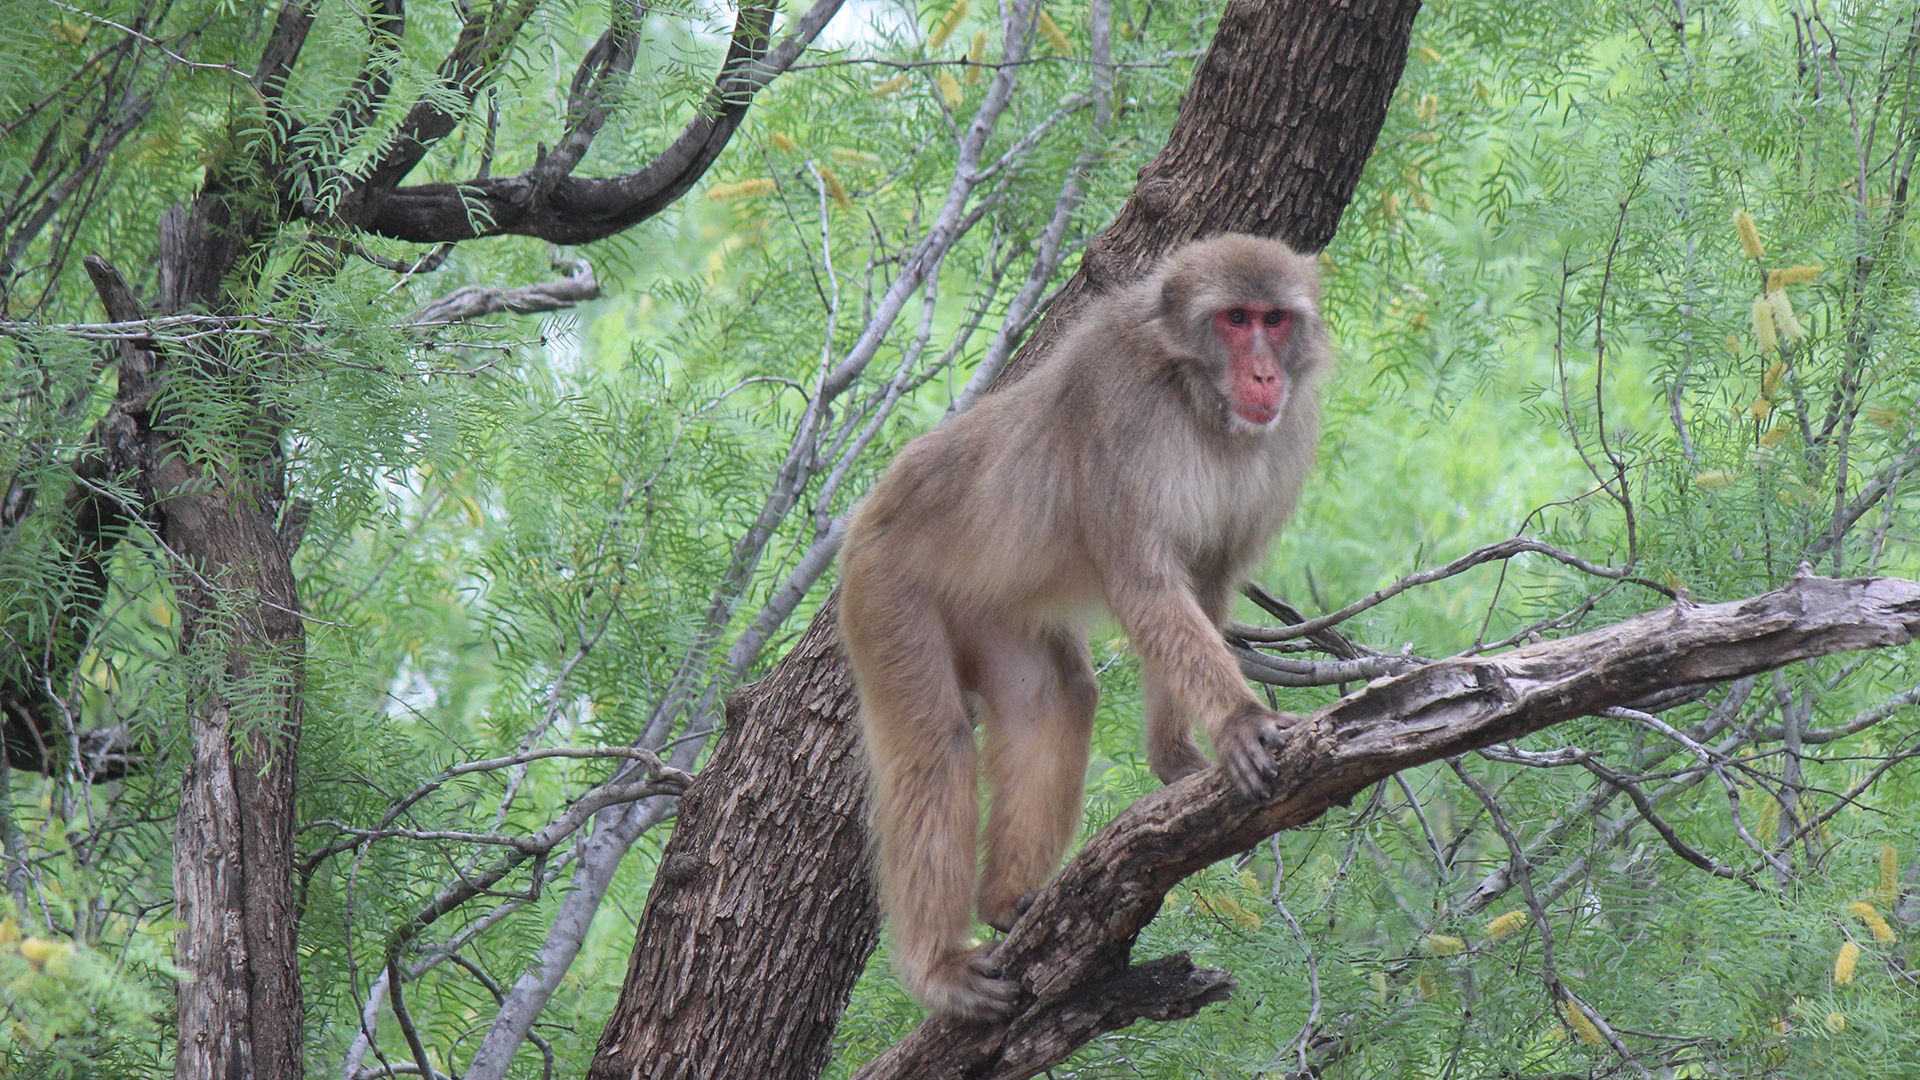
[
  {"x": 756, "y": 884},
  {"x": 1286, "y": 104},
  {"x": 1077, "y": 937}
]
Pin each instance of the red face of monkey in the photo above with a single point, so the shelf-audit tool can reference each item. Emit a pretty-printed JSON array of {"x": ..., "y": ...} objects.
[{"x": 1255, "y": 337}]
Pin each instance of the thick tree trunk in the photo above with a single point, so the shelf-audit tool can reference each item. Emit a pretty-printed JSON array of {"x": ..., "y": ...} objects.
[
  {"x": 761, "y": 916},
  {"x": 241, "y": 1014}
]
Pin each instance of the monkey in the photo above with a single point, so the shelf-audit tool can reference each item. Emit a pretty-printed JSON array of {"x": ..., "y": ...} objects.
[{"x": 1139, "y": 469}]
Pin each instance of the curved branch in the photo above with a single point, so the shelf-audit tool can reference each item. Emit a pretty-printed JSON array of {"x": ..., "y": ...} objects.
[{"x": 547, "y": 202}]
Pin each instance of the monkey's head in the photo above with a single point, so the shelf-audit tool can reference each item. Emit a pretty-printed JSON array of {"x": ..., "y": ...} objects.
[{"x": 1241, "y": 315}]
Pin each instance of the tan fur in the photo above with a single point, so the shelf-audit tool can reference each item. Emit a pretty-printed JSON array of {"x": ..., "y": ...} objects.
[{"x": 1116, "y": 477}]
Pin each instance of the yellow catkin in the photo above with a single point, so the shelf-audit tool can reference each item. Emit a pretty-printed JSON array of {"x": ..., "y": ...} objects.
[
  {"x": 949, "y": 88},
  {"x": 858, "y": 159},
  {"x": 1844, "y": 963},
  {"x": 1749, "y": 235},
  {"x": 1733, "y": 343},
  {"x": 1836, "y": 1022},
  {"x": 1774, "y": 437},
  {"x": 891, "y": 86},
  {"x": 944, "y": 29},
  {"x": 1762, "y": 408},
  {"x": 1051, "y": 31},
  {"x": 1442, "y": 945},
  {"x": 835, "y": 189},
  {"x": 1379, "y": 981},
  {"x": 1792, "y": 275},
  {"x": 1763, "y": 325},
  {"x": 976, "y": 53},
  {"x": 1889, "y": 890},
  {"x": 1424, "y": 983},
  {"x": 1770, "y": 382},
  {"x": 1783, "y": 316},
  {"x": 1714, "y": 479},
  {"x": 1581, "y": 1026},
  {"x": 739, "y": 189},
  {"x": 1875, "y": 921},
  {"x": 782, "y": 143}
]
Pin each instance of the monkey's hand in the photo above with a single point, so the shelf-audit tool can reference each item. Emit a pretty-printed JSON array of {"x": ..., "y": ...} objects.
[
  {"x": 967, "y": 986},
  {"x": 1245, "y": 746}
]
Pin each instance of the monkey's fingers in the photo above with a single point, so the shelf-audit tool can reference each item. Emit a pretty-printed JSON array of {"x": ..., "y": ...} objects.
[
  {"x": 968, "y": 986},
  {"x": 1246, "y": 744}
]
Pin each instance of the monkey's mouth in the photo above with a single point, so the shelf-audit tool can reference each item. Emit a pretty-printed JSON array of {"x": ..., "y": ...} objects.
[{"x": 1257, "y": 415}]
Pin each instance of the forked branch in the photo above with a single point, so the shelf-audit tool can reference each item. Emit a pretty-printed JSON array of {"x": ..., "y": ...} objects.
[{"x": 1072, "y": 947}]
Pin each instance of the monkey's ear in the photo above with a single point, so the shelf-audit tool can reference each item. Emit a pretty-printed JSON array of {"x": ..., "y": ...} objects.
[{"x": 1173, "y": 299}]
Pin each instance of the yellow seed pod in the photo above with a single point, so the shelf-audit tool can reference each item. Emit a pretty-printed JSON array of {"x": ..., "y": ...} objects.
[
  {"x": 1875, "y": 921},
  {"x": 1888, "y": 893},
  {"x": 1763, "y": 325},
  {"x": 1581, "y": 1026},
  {"x": 1776, "y": 372},
  {"x": 1761, "y": 409},
  {"x": 976, "y": 52},
  {"x": 1792, "y": 275},
  {"x": 1429, "y": 108},
  {"x": 835, "y": 189},
  {"x": 1836, "y": 1022},
  {"x": 1749, "y": 235},
  {"x": 1783, "y": 316},
  {"x": 41, "y": 951},
  {"x": 891, "y": 86},
  {"x": 1714, "y": 479},
  {"x": 1051, "y": 31},
  {"x": 949, "y": 88},
  {"x": 1845, "y": 962},
  {"x": 1441, "y": 945},
  {"x": 1424, "y": 983},
  {"x": 740, "y": 189},
  {"x": 858, "y": 159},
  {"x": 944, "y": 29},
  {"x": 782, "y": 143}
]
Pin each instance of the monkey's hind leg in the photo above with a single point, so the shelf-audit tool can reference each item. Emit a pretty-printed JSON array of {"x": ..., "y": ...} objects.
[
  {"x": 920, "y": 744},
  {"x": 1040, "y": 696}
]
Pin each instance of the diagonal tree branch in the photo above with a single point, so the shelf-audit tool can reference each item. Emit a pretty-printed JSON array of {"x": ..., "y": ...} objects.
[{"x": 1073, "y": 945}]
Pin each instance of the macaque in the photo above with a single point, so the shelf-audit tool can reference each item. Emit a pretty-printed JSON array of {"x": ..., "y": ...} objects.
[{"x": 1139, "y": 470}]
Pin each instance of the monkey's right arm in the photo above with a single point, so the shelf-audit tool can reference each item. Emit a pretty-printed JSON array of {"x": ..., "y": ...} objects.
[{"x": 1190, "y": 665}]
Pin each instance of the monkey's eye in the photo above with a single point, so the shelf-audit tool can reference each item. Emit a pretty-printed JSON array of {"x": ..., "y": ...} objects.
[
  {"x": 1238, "y": 316},
  {"x": 1273, "y": 318}
]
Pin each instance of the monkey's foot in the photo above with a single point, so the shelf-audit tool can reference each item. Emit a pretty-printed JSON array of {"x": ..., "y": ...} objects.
[
  {"x": 1175, "y": 760},
  {"x": 1246, "y": 743},
  {"x": 1003, "y": 920},
  {"x": 966, "y": 986}
]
